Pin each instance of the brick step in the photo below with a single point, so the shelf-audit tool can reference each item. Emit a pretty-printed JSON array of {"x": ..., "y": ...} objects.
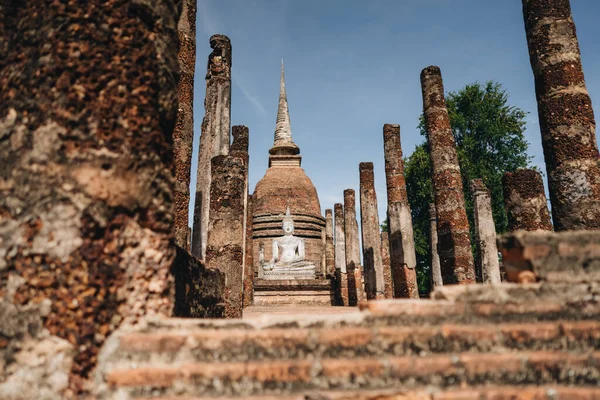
[
  {"x": 474, "y": 393},
  {"x": 409, "y": 372},
  {"x": 191, "y": 345}
]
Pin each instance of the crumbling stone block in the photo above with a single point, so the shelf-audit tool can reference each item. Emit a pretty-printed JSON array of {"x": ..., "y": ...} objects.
[
  {"x": 183, "y": 134},
  {"x": 402, "y": 243},
  {"x": 565, "y": 257},
  {"x": 566, "y": 115},
  {"x": 371, "y": 240},
  {"x": 485, "y": 232},
  {"x": 198, "y": 290},
  {"x": 88, "y": 103},
  {"x": 226, "y": 234},
  {"x": 525, "y": 201},
  {"x": 454, "y": 246},
  {"x": 214, "y": 139}
]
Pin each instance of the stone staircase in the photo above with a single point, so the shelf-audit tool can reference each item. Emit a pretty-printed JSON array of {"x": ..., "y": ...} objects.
[{"x": 534, "y": 341}]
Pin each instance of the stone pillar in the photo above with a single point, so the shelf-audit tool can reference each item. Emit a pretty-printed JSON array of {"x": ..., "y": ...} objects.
[
  {"x": 566, "y": 115},
  {"x": 183, "y": 134},
  {"x": 86, "y": 212},
  {"x": 454, "y": 247},
  {"x": 340, "y": 238},
  {"x": 371, "y": 241},
  {"x": 248, "y": 257},
  {"x": 214, "y": 139},
  {"x": 226, "y": 235},
  {"x": 340, "y": 254},
  {"x": 239, "y": 148},
  {"x": 387, "y": 271},
  {"x": 485, "y": 231},
  {"x": 353, "y": 266},
  {"x": 525, "y": 201},
  {"x": 329, "y": 246},
  {"x": 436, "y": 271},
  {"x": 402, "y": 243}
]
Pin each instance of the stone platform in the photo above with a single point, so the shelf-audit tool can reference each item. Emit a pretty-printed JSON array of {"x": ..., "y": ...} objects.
[{"x": 315, "y": 292}]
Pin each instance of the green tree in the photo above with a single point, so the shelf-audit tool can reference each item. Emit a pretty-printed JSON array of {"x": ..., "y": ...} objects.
[{"x": 489, "y": 135}]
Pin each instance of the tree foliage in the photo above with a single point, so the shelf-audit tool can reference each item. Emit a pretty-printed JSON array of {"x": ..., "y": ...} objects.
[{"x": 489, "y": 135}]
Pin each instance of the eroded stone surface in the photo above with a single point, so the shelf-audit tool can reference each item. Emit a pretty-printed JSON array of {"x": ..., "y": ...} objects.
[
  {"x": 436, "y": 271},
  {"x": 403, "y": 259},
  {"x": 525, "y": 201},
  {"x": 454, "y": 243},
  {"x": 225, "y": 247},
  {"x": 214, "y": 139},
  {"x": 549, "y": 256},
  {"x": 183, "y": 134},
  {"x": 371, "y": 240},
  {"x": 485, "y": 230},
  {"x": 87, "y": 112},
  {"x": 566, "y": 115},
  {"x": 356, "y": 291}
]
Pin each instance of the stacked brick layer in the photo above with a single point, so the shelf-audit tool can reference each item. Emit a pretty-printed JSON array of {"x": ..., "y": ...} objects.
[{"x": 470, "y": 342}]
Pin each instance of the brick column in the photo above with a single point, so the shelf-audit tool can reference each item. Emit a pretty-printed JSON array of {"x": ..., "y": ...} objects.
[
  {"x": 248, "y": 257},
  {"x": 239, "y": 148},
  {"x": 329, "y": 246},
  {"x": 226, "y": 234},
  {"x": 525, "y": 201},
  {"x": 183, "y": 134},
  {"x": 485, "y": 231},
  {"x": 340, "y": 237},
  {"x": 566, "y": 115},
  {"x": 387, "y": 271},
  {"x": 340, "y": 254},
  {"x": 371, "y": 241},
  {"x": 86, "y": 214},
  {"x": 402, "y": 243},
  {"x": 434, "y": 258},
  {"x": 214, "y": 139},
  {"x": 353, "y": 266},
  {"x": 454, "y": 247}
]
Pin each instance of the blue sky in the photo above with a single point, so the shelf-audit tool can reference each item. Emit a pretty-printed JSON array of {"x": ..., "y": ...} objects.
[{"x": 352, "y": 66}]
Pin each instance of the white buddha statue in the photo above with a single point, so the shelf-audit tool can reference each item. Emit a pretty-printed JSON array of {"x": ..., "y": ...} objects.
[{"x": 288, "y": 253}]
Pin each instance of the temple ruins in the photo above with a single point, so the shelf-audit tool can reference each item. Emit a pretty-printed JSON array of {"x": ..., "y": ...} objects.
[{"x": 106, "y": 293}]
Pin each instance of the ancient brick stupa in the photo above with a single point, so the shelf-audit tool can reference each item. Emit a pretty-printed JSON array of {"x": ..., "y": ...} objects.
[{"x": 288, "y": 228}]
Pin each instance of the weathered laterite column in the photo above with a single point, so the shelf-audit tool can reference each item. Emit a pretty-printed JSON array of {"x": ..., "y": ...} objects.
[
  {"x": 402, "y": 243},
  {"x": 239, "y": 148},
  {"x": 566, "y": 115},
  {"x": 387, "y": 271},
  {"x": 485, "y": 231},
  {"x": 353, "y": 266},
  {"x": 86, "y": 216},
  {"x": 454, "y": 246},
  {"x": 434, "y": 258},
  {"x": 340, "y": 238},
  {"x": 525, "y": 201},
  {"x": 226, "y": 234},
  {"x": 183, "y": 134},
  {"x": 214, "y": 139},
  {"x": 329, "y": 246},
  {"x": 248, "y": 257},
  {"x": 340, "y": 254},
  {"x": 371, "y": 241}
]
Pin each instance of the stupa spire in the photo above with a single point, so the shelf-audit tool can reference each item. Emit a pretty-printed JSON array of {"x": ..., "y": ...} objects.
[{"x": 283, "y": 142}]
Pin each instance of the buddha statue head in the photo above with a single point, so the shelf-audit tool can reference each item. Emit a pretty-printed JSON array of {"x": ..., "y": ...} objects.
[{"x": 288, "y": 224}]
